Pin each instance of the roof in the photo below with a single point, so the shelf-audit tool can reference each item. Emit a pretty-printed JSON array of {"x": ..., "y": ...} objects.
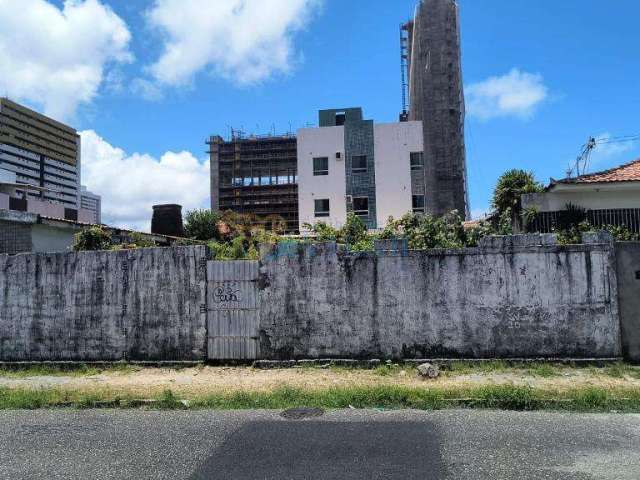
[{"x": 629, "y": 172}]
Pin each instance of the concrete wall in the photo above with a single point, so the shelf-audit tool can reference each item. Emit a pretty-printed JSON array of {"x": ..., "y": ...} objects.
[
  {"x": 511, "y": 301},
  {"x": 394, "y": 143},
  {"x": 47, "y": 239},
  {"x": 141, "y": 305},
  {"x": 513, "y": 297},
  {"x": 628, "y": 264}
]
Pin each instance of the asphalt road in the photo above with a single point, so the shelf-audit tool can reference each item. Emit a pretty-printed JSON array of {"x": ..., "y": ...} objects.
[{"x": 473, "y": 445}]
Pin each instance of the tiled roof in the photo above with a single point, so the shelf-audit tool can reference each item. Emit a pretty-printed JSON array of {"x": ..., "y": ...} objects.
[{"x": 629, "y": 172}]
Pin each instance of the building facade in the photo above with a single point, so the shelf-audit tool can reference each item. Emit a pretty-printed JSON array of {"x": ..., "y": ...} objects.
[
  {"x": 41, "y": 152},
  {"x": 351, "y": 165},
  {"x": 256, "y": 175},
  {"x": 436, "y": 98},
  {"x": 40, "y": 166},
  {"x": 27, "y": 232},
  {"x": 606, "y": 198},
  {"x": 91, "y": 203}
]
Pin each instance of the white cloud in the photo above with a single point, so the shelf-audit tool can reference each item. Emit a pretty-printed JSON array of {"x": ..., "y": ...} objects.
[
  {"x": 514, "y": 94},
  {"x": 146, "y": 89},
  {"x": 131, "y": 184},
  {"x": 244, "y": 41},
  {"x": 57, "y": 58}
]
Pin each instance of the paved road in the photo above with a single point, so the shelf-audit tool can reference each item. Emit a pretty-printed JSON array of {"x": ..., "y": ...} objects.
[{"x": 461, "y": 445}]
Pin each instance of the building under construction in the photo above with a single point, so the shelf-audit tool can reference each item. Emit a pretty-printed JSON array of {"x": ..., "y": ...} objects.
[
  {"x": 431, "y": 58},
  {"x": 256, "y": 175}
]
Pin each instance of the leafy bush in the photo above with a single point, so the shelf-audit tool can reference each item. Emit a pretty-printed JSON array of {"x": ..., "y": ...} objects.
[
  {"x": 323, "y": 231},
  {"x": 202, "y": 225},
  {"x": 92, "y": 239},
  {"x": 354, "y": 230},
  {"x": 426, "y": 231},
  {"x": 220, "y": 250}
]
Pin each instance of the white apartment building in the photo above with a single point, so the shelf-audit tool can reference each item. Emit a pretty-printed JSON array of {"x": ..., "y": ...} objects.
[{"x": 353, "y": 165}]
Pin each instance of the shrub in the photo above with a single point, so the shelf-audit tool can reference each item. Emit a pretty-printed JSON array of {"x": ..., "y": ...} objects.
[
  {"x": 354, "y": 230},
  {"x": 202, "y": 225},
  {"x": 323, "y": 231},
  {"x": 91, "y": 239}
]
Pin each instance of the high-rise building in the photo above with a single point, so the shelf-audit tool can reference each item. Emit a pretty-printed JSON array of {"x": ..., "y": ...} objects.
[
  {"x": 41, "y": 152},
  {"x": 92, "y": 204},
  {"x": 40, "y": 166},
  {"x": 255, "y": 175},
  {"x": 436, "y": 98},
  {"x": 351, "y": 165}
]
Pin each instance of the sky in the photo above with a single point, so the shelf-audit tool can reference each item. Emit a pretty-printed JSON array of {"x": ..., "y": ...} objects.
[{"x": 145, "y": 82}]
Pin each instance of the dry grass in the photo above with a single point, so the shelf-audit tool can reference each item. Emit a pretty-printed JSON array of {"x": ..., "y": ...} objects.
[{"x": 202, "y": 380}]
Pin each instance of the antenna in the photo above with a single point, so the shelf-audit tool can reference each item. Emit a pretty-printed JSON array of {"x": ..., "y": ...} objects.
[
  {"x": 404, "y": 69},
  {"x": 582, "y": 162}
]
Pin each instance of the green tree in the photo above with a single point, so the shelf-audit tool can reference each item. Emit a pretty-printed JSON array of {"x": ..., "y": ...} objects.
[
  {"x": 202, "y": 225},
  {"x": 507, "y": 195},
  {"x": 323, "y": 231},
  {"x": 91, "y": 239},
  {"x": 353, "y": 231}
]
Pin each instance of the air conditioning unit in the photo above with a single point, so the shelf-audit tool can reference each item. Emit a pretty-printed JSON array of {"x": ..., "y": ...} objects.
[{"x": 338, "y": 155}]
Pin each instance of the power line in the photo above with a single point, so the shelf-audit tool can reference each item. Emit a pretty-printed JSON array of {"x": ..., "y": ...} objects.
[{"x": 582, "y": 162}]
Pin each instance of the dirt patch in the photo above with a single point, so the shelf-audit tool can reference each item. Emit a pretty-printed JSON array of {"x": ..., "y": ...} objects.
[{"x": 204, "y": 379}]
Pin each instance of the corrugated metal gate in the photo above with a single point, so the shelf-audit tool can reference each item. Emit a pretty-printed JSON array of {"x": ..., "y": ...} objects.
[{"x": 233, "y": 314}]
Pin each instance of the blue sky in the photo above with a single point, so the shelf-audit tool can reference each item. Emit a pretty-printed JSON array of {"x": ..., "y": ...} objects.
[{"x": 562, "y": 70}]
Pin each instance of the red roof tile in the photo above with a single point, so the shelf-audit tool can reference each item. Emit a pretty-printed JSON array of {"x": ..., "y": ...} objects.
[{"x": 629, "y": 172}]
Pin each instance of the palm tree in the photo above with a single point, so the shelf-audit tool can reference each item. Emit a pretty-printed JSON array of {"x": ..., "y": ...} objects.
[{"x": 508, "y": 192}]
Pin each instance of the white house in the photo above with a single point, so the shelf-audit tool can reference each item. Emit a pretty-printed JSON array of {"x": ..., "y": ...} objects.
[{"x": 610, "y": 197}]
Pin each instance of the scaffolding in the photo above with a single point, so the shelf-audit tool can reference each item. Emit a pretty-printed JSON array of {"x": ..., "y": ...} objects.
[{"x": 256, "y": 175}]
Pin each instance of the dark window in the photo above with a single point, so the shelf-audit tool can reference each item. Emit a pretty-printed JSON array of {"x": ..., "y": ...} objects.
[
  {"x": 71, "y": 214},
  {"x": 359, "y": 163},
  {"x": 340, "y": 118},
  {"x": 321, "y": 166},
  {"x": 418, "y": 204},
  {"x": 322, "y": 207},
  {"x": 361, "y": 206},
  {"x": 18, "y": 204},
  {"x": 417, "y": 160}
]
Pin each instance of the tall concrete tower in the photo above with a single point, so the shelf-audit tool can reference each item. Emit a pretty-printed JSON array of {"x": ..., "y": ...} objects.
[{"x": 437, "y": 99}]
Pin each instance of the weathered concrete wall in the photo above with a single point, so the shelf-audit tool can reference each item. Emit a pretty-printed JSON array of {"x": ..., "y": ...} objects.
[
  {"x": 628, "y": 261},
  {"x": 138, "y": 304},
  {"x": 505, "y": 300}
]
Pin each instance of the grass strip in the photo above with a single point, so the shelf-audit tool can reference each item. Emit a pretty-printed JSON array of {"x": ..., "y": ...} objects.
[{"x": 504, "y": 397}]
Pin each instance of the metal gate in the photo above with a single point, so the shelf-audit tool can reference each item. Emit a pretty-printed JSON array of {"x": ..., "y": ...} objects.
[{"x": 233, "y": 315}]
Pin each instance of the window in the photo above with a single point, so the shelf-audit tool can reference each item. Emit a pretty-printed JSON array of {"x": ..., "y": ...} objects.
[
  {"x": 340, "y": 118},
  {"x": 359, "y": 163},
  {"x": 321, "y": 166},
  {"x": 418, "y": 204},
  {"x": 361, "y": 206},
  {"x": 322, "y": 207},
  {"x": 417, "y": 160}
]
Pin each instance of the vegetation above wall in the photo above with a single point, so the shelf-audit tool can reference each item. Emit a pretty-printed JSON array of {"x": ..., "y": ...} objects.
[{"x": 236, "y": 236}]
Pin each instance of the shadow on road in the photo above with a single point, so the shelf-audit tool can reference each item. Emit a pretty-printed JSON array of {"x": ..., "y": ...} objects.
[{"x": 327, "y": 450}]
